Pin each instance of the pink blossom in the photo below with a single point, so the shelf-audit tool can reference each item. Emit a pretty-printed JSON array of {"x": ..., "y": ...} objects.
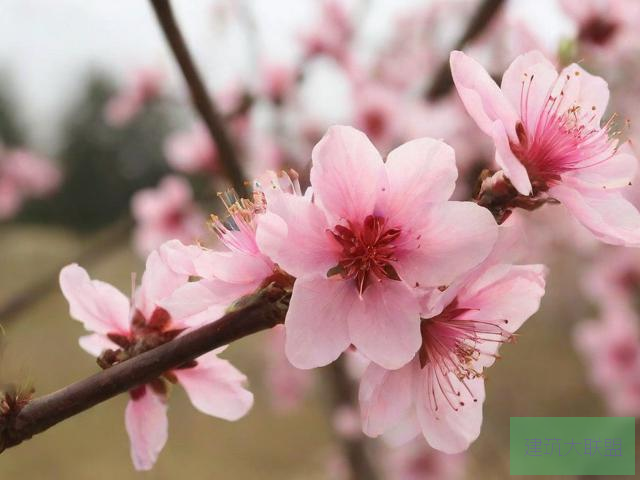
[
  {"x": 164, "y": 213},
  {"x": 121, "y": 330},
  {"x": 331, "y": 34},
  {"x": 24, "y": 175},
  {"x": 549, "y": 142},
  {"x": 227, "y": 275},
  {"x": 611, "y": 348},
  {"x": 372, "y": 235},
  {"x": 287, "y": 385},
  {"x": 614, "y": 278},
  {"x": 378, "y": 113},
  {"x": 277, "y": 81},
  {"x": 605, "y": 26},
  {"x": 417, "y": 461},
  {"x": 143, "y": 86},
  {"x": 192, "y": 151},
  {"x": 441, "y": 391}
]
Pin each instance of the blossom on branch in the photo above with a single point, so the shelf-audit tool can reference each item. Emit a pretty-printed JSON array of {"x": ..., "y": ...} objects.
[{"x": 122, "y": 330}]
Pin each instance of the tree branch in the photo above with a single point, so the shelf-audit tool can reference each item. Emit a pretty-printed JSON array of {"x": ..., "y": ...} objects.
[
  {"x": 199, "y": 96},
  {"x": 263, "y": 311},
  {"x": 443, "y": 81}
]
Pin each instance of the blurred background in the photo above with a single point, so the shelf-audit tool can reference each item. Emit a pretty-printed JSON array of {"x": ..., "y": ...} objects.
[{"x": 102, "y": 159}]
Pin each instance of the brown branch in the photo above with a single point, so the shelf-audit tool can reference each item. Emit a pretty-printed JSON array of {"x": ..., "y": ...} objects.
[
  {"x": 443, "y": 81},
  {"x": 263, "y": 311},
  {"x": 115, "y": 237},
  {"x": 354, "y": 447},
  {"x": 200, "y": 98}
]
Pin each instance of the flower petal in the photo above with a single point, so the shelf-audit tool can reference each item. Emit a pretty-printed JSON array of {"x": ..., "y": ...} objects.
[
  {"x": 158, "y": 282},
  {"x": 513, "y": 169},
  {"x": 384, "y": 324},
  {"x": 216, "y": 388},
  {"x": 607, "y": 214},
  {"x": 294, "y": 234},
  {"x": 482, "y": 98},
  {"x": 316, "y": 323},
  {"x": 455, "y": 237},
  {"x": 346, "y": 173},
  {"x": 385, "y": 396},
  {"x": 148, "y": 428},
  {"x": 421, "y": 171},
  {"x": 95, "y": 344},
  {"x": 446, "y": 429},
  {"x": 99, "y": 306}
]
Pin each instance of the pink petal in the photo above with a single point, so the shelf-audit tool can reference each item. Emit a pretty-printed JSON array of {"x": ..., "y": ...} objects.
[
  {"x": 482, "y": 98},
  {"x": 420, "y": 172},
  {"x": 181, "y": 258},
  {"x": 346, "y": 173},
  {"x": 295, "y": 236},
  {"x": 316, "y": 323},
  {"x": 513, "y": 169},
  {"x": 589, "y": 91},
  {"x": 95, "y": 344},
  {"x": 504, "y": 292},
  {"x": 615, "y": 172},
  {"x": 384, "y": 324},
  {"x": 148, "y": 428},
  {"x": 98, "y": 305},
  {"x": 158, "y": 282},
  {"x": 607, "y": 214},
  {"x": 385, "y": 396},
  {"x": 527, "y": 84},
  {"x": 239, "y": 267},
  {"x": 456, "y": 236},
  {"x": 446, "y": 429},
  {"x": 198, "y": 303},
  {"x": 216, "y": 388}
]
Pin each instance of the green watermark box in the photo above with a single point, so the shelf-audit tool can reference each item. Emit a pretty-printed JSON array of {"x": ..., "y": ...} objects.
[{"x": 572, "y": 446}]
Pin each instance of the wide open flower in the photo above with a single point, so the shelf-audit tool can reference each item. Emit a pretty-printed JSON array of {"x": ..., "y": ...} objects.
[
  {"x": 122, "y": 331},
  {"x": 441, "y": 391},
  {"x": 374, "y": 233},
  {"x": 549, "y": 141}
]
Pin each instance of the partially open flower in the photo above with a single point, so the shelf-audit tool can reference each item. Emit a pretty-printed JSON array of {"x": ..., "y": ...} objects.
[{"x": 549, "y": 140}]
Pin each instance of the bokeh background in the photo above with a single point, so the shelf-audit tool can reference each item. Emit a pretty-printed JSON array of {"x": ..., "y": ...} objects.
[{"x": 61, "y": 64}]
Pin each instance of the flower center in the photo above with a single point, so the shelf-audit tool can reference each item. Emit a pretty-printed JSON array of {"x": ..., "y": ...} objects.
[
  {"x": 561, "y": 138},
  {"x": 452, "y": 344},
  {"x": 368, "y": 251}
]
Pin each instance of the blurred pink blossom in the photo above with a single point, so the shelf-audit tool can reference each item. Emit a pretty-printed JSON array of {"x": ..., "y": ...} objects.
[
  {"x": 277, "y": 80},
  {"x": 605, "y": 27},
  {"x": 441, "y": 391},
  {"x": 287, "y": 385},
  {"x": 417, "y": 461},
  {"x": 549, "y": 142},
  {"x": 143, "y": 86},
  {"x": 331, "y": 34},
  {"x": 611, "y": 348},
  {"x": 192, "y": 151},
  {"x": 24, "y": 175},
  {"x": 164, "y": 213},
  {"x": 373, "y": 233},
  {"x": 122, "y": 330}
]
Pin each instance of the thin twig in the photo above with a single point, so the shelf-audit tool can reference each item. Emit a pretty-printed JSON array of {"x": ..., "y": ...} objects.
[
  {"x": 201, "y": 100},
  {"x": 265, "y": 311},
  {"x": 443, "y": 81}
]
